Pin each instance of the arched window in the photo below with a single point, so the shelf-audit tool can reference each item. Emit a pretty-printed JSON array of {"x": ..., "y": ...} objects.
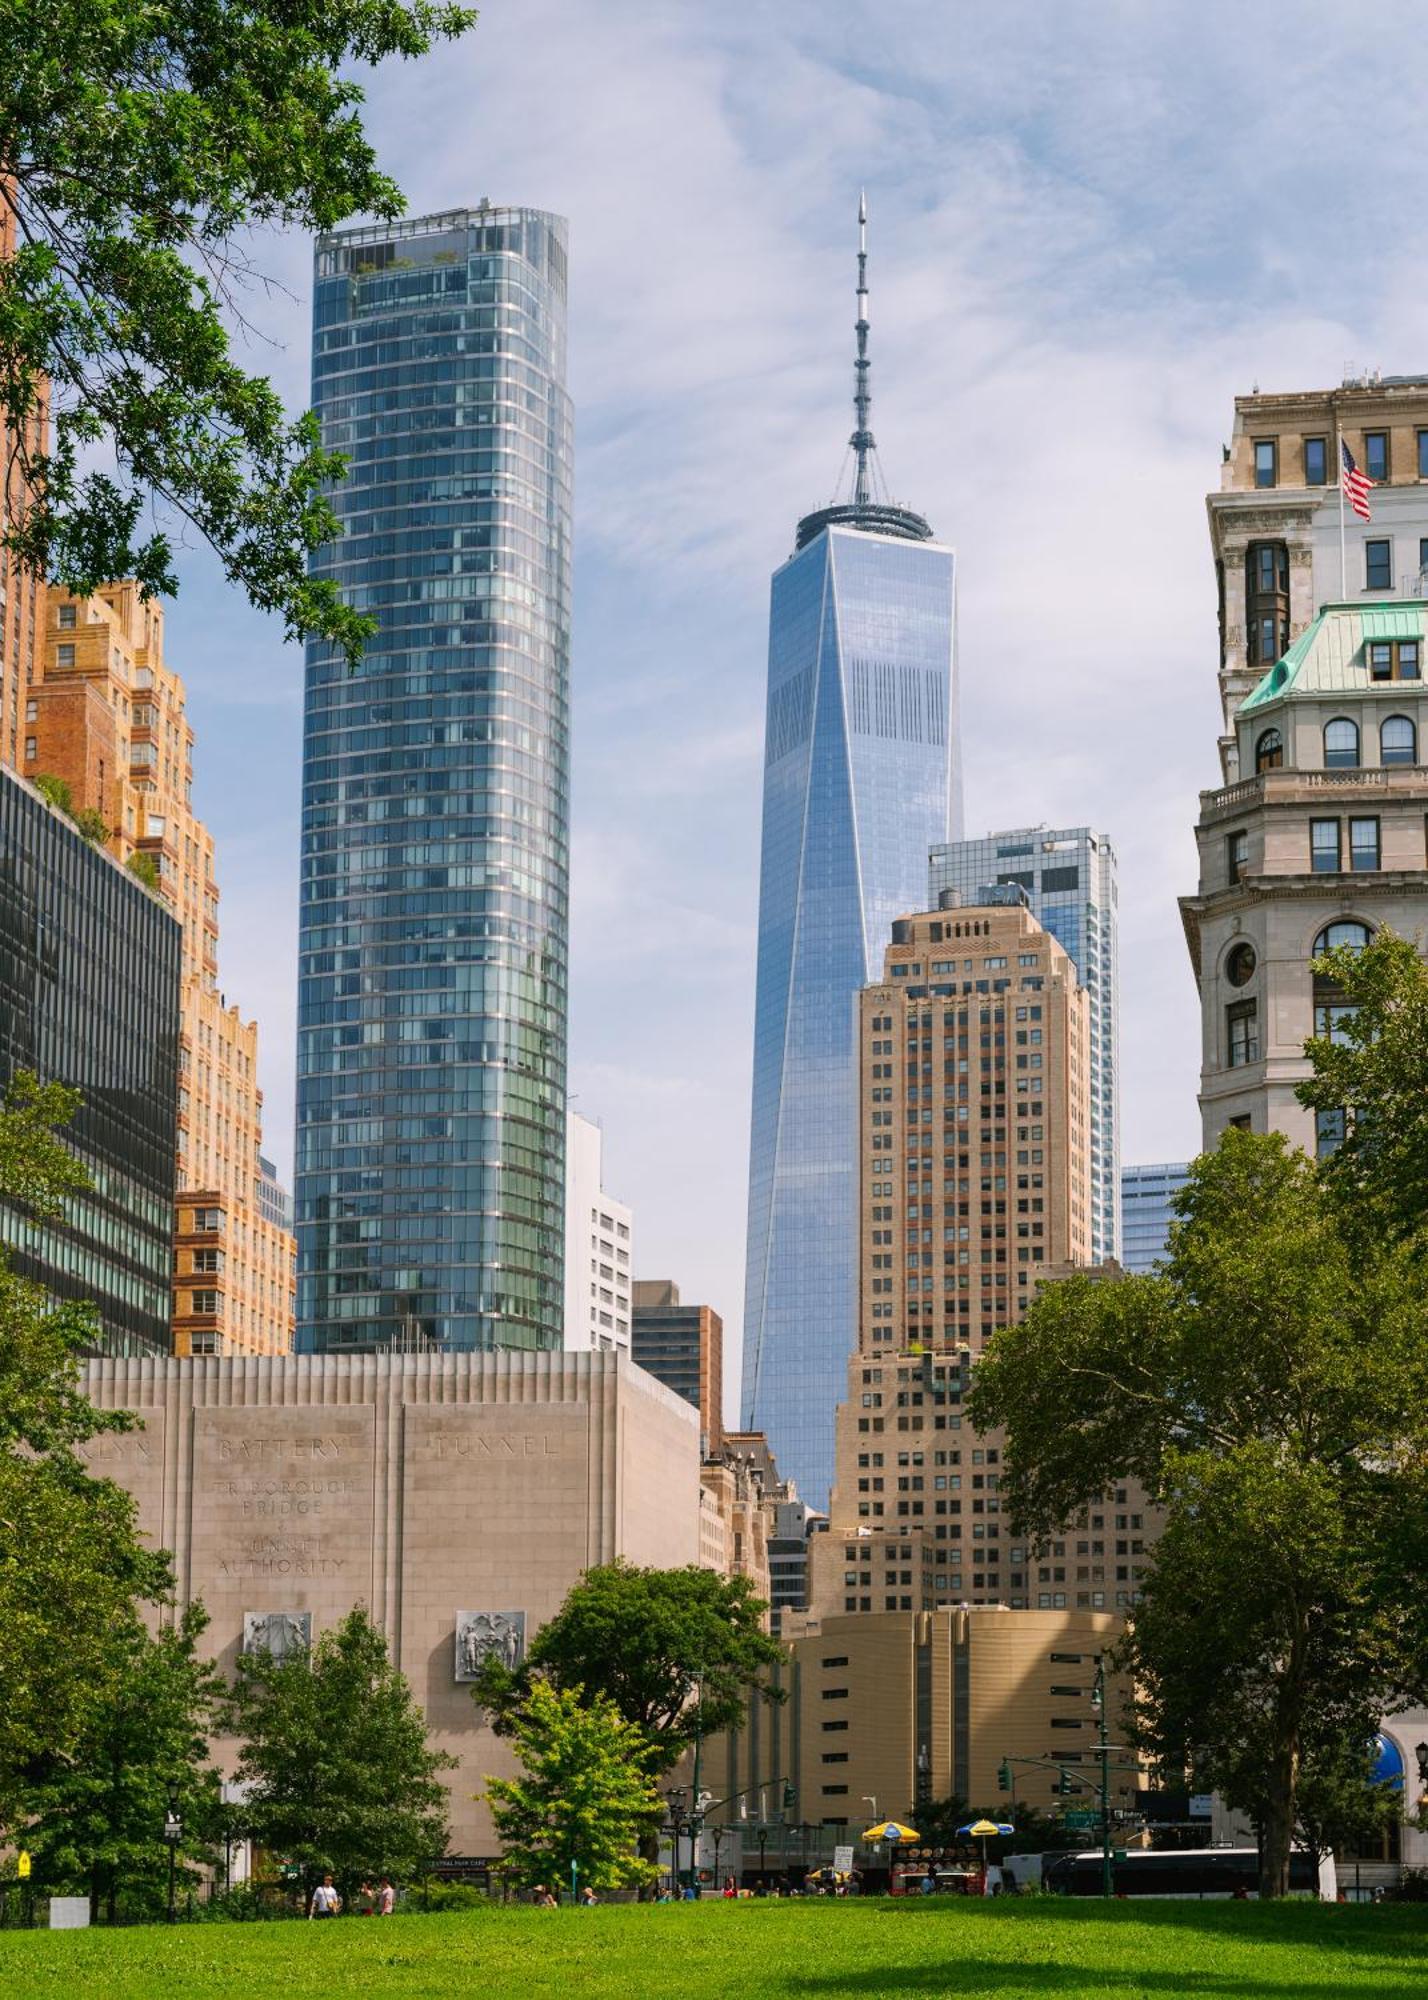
[
  {"x": 1332, "y": 1014},
  {"x": 1397, "y": 741},
  {"x": 1341, "y": 745},
  {"x": 1269, "y": 751},
  {"x": 1346, "y": 930}
]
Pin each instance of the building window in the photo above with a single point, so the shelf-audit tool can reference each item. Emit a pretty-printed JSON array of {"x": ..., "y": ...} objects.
[
  {"x": 1267, "y": 600},
  {"x": 32, "y": 748},
  {"x": 1269, "y": 751},
  {"x": 1341, "y": 745},
  {"x": 1397, "y": 739},
  {"x": 1345, "y": 931},
  {"x": 1316, "y": 461},
  {"x": 1236, "y": 856},
  {"x": 1328, "y": 1133},
  {"x": 64, "y": 656},
  {"x": 1324, "y": 846},
  {"x": 1363, "y": 843},
  {"x": 1378, "y": 565},
  {"x": 1242, "y": 1028},
  {"x": 1408, "y": 663},
  {"x": 1240, "y": 964},
  {"x": 1423, "y": 556},
  {"x": 67, "y": 617},
  {"x": 1380, "y": 654},
  {"x": 1266, "y": 454},
  {"x": 1376, "y": 454}
]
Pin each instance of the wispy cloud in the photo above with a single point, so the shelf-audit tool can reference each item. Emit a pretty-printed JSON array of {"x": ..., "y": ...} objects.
[{"x": 1091, "y": 227}]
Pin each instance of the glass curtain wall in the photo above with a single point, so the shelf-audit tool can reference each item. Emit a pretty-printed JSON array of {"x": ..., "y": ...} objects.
[
  {"x": 859, "y": 782},
  {"x": 432, "y": 1009}
]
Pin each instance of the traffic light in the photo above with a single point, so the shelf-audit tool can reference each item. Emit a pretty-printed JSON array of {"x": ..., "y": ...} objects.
[
  {"x": 788, "y": 1799},
  {"x": 1004, "y": 1776}
]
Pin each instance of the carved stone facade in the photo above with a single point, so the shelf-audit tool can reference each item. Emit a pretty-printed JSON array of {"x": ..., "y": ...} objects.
[
  {"x": 1274, "y": 523},
  {"x": 291, "y": 1489},
  {"x": 1322, "y": 840}
]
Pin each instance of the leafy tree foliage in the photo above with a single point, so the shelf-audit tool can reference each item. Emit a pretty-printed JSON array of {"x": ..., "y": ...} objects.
[
  {"x": 588, "y": 1795},
  {"x": 334, "y": 1747},
  {"x": 140, "y": 143},
  {"x": 1269, "y": 1389},
  {"x": 1374, "y": 1071},
  {"x": 1340, "y": 1804},
  {"x": 678, "y": 1652},
  {"x": 71, "y": 1563},
  {"x": 94, "y": 1815}
]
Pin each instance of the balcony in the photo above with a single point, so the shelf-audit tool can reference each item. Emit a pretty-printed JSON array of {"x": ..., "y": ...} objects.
[{"x": 1288, "y": 788}]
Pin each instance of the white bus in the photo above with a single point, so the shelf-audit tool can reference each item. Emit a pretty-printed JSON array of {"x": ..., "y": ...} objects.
[{"x": 1186, "y": 1871}]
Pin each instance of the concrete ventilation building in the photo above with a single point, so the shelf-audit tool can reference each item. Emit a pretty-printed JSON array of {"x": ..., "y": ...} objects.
[
  {"x": 1069, "y": 875},
  {"x": 599, "y": 1245},
  {"x": 108, "y": 717},
  {"x": 974, "y": 1061},
  {"x": 89, "y": 996},
  {"x": 1317, "y": 841},
  {"x": 457, "y": 1496},
  {"x": 683, "y": 1347},
  {"x": 1146, "y": 1214},
  {"x": 1274, "y": 524},
  {"x": 430, "y": 1182},
  {"x": 860, "y": 780}
]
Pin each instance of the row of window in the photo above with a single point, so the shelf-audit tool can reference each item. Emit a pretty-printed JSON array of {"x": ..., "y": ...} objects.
[
  {"x": 1317, "y": 461},
  {"x": 1397, "y": 744}
]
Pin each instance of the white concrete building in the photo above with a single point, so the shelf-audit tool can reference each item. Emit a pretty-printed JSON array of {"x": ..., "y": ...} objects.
[{"x": 599, "y": 1232}]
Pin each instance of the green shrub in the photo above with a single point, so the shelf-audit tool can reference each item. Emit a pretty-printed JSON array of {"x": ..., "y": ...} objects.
[
  {"x": 56, "y": 791},
  {"x": 145, "y": 868}
]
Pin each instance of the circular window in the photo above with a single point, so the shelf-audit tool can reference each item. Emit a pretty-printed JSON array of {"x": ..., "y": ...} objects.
[{"x": 1240, "y": 965}]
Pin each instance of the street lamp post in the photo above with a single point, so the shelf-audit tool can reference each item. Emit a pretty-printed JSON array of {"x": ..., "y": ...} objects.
[
  {"x": 173, "y": 1834},
  {"x": 1098, "y": 1702}
]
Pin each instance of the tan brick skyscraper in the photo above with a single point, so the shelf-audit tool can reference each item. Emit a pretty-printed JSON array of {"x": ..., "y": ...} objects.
[
  {"x": 21, "y": 592},
  {"x": 107, "y": 716},
  {"x": 974, "y": 1172}
]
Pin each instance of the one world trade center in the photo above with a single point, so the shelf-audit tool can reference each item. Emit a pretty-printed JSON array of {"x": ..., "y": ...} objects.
[{"x": 861, "y": 778}]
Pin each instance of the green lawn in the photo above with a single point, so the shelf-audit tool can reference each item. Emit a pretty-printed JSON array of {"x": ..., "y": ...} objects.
[{"x": 1237, "y": 1951}]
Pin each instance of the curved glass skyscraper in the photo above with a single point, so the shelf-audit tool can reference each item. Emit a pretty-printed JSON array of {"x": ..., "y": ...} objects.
[
  {"x": 432, "y": 1007},
  {"x": 860, "y": 781}
]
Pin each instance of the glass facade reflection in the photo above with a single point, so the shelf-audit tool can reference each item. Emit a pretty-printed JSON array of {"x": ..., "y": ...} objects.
[
  {"x": 860, "y": 780},
  {"x": 89, "y": 996},
  {"x": 1069, "y": 875},
  {"x": 432, "y": 1011},
  {"x": 1146, "y": 1214}
]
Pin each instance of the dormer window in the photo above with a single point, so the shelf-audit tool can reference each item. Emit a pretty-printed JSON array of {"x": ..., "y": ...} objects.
[
  {"x": 1269, "y": 751},
  {"x": 1395, "y": 661},
  {"x": 1341, "y": 745}
]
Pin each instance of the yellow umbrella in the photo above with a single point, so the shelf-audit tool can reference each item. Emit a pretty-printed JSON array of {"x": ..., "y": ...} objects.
[
  {"x": 984, "y": 1829},
  {"x": 892, "y": 1831}
]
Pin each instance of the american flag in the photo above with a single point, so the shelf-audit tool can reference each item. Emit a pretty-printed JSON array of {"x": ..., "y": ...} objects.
[{"x": 1356, "y": 484}]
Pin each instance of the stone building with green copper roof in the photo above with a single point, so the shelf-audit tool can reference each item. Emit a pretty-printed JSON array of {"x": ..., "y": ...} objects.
[{"x": 1320, "y": 839}]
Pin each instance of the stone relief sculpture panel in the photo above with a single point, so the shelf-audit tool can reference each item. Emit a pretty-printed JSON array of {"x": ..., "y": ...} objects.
[
  {"x": 277, "y": 1633},
  {"x": 484, "y": 1635}
]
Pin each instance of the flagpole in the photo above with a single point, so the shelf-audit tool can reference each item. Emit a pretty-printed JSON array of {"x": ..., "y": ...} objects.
[{"x": 1343, "y": 560}]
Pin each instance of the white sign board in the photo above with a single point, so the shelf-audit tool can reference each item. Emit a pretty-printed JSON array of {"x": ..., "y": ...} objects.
[
  {"x": 69, "y": 1913},
  {"x": 843, "y": 1859},
  {"x": 1202, "y": 1805}
]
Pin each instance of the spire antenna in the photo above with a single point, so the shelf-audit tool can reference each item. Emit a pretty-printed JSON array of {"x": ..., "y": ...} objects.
[{"x": 861, "y": 442}]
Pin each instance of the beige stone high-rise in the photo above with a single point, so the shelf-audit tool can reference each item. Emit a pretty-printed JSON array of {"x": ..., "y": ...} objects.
[
  {"x": 975, "y": 1165},
  {"x": 106, "y": 715}
]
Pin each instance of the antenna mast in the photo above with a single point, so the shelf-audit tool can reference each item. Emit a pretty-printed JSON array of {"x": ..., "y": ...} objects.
[{"x": 862, "y": 438}]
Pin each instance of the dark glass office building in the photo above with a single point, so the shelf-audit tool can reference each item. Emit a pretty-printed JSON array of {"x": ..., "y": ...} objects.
[
  {"x": 432, "y": 1008},
  {"x": 89, "y": 996}
]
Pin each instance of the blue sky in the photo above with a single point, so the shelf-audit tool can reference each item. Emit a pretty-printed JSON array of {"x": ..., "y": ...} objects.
[{"x": 1090, "y": 227}]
